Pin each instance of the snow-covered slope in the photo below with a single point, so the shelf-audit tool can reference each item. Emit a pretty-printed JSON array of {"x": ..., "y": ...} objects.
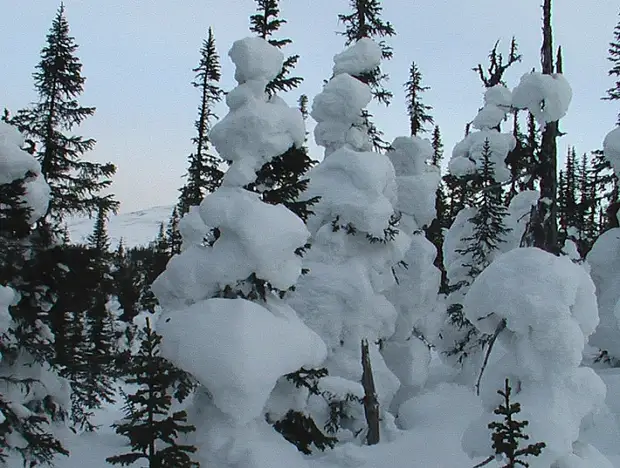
[{"x": 137, "y": 228}]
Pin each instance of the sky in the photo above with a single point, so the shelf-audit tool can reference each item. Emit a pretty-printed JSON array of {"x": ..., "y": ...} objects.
[{"x": 138, "y": 57}]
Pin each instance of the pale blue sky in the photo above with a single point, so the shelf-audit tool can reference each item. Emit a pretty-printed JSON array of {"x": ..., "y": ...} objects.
[{"x": 138, "y": 56}]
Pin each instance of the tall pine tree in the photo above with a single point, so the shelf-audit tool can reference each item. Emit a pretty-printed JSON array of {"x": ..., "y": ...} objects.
[
  {"x": 203, "y": 174},
  {"x": 76, "y": 184}
]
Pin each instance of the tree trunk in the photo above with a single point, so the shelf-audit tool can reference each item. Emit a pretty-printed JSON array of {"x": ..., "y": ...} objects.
[
  {"x": 371, "y": 404},
  {"x": 543, "y": 226}
]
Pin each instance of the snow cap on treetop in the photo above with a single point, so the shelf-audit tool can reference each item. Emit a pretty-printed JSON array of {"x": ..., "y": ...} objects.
[
  {"x": 255, "y": 59},
  {"x": 257, "y": 128},
  {"x": 362, "y": 57}
]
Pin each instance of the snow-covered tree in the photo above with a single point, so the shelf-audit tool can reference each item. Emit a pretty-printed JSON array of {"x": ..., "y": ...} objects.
[
  {"x": 540, "y": 310},
  {"x": 203, "y": 174},
  {"x": 355, "y": 243},
  {"x": 604, "y": 261},
  {"x": 32, "y": 395},
  {"x": 364, "y": 21},
  {"x": 223, "y": 320},
  {"x": 282, "y": 179},
  {"x": 407, "y": 351},
  {"x": 478, "y": 230}
]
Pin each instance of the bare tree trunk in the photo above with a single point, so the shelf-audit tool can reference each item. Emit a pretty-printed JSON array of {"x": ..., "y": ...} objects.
[
  {"x": 543, "y": 225},
  {"x": 371, "y": 404}
]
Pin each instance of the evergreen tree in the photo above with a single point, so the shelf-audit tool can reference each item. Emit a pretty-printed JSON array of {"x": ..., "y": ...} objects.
[
  {"x": 154, "y": 265},
  {"x": 365, "y": 21},
  {"x": 203, "y": 174},
  {"x": 417, "y": 110},
  {"x": 99, "y": 346},
  {"x": 173, "y": 235},
  {"x": 126, "y": 283},
  {"x": 489, "y": 228},
  {"x": 27, "y": 406},
  {"x": 508, "y": 434},
  {"x": 479, "y": 249},
  {"x": 75, "y": 184},
  {"x": 280, "y": 181},
  {"x": 265, "y": 22},
  {"x": 434, "y": 232},
  {"x": 613, "y": 93},
  {"x": 150, "y": 424},
  {"x": 99, "y": 241}
]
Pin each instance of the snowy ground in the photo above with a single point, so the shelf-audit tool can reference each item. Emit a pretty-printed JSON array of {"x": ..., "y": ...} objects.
[{"x": 438, "y": 419}]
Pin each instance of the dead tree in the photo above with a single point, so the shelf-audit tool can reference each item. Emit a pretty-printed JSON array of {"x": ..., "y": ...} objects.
[
  {"x": 371, "y": 403},
  {"x": 543, "y": 231}
]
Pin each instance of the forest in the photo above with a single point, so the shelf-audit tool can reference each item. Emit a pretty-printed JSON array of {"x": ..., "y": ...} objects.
[{"x": 379, "y": 304}]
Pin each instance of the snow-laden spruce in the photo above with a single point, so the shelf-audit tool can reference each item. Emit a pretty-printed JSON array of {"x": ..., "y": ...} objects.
[
  {"x": 337, "y": 110},
  {"x": 467, "y": 154},
  {"x": 355, "y": 243},
  {"x": 544, "y": 308},
  {"x": 223, "y": 321},
  {"x": 415, "y": 295},
  {"x": 480, "y": 229}
]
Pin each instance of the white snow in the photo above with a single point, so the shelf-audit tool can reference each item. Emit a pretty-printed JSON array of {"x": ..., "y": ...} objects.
[
  {"x": 467, "y": 154},
  {"x": 550, "y": 309},
  {"x": 255, "y": 238},
  {"x": 362, "y": 57},
  {"x": 604, "y": 260},
  {"x": 15, "y": 163},
  {"x": 238, "y": 350},
  {"x": 611, "y": 149},
  {"x": 136, "y": 228},
  {"x": 547, "y": 97},
  {"x": 357, "y": 187},
  {"x": 337, "y": 111},
  {"x": 255, "y": 59},
  {"x": 37, "y": 196},
  {"x": 257, "y": 128}
]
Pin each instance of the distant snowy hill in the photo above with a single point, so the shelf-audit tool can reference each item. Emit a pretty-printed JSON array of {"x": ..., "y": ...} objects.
[{"x": 137, "y": 228}]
